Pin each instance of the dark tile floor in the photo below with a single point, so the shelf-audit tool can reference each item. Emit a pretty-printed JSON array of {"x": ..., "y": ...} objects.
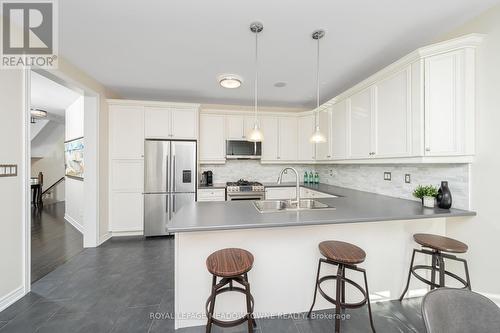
[
  {"x": 116, "y": 287},
  {"x": 53, "y": 240}
]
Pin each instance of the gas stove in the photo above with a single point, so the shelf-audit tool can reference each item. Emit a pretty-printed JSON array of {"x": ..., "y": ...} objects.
[{"x": 244, "y": 186}]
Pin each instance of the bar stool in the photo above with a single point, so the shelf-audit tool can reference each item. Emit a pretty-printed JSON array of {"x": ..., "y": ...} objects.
[
  {"x": 231, "y": 265},
  {"x": 344, "y": 256},
  {"x": 437, "y": 245}
]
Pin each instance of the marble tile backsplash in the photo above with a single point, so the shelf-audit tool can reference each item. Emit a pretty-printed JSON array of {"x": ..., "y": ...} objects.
[
  {"x": 253, "y": 171},
  {"x": 368, "y": 178}
]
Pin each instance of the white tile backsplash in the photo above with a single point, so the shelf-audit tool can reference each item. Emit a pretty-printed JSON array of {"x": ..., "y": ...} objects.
[
  {"x": 368, "y": 178},
  {"x": 253, "y": 171},
  {"x": 371, "y": 178}
]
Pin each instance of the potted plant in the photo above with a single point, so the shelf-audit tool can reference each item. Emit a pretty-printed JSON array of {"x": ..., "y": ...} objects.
[{"x": 427, "y": 194}]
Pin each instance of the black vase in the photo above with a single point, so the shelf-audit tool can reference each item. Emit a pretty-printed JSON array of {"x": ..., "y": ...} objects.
[{"x": 444, "y": 196}]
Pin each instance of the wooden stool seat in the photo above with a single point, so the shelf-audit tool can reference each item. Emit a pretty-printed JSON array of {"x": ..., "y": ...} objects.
[
  {"x": 230, "y": 262},
  {"x": 342, "y": 252},
  {"x": 440, "y": 243}
]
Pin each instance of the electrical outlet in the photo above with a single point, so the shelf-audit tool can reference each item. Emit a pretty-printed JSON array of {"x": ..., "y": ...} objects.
[
  {"x": 331, "y": 172},
  {"x": 387, "y": 176},
  {"x": 407, "y": 178}
]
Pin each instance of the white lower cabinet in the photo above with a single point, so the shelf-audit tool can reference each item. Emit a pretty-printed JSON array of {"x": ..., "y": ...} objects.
[
  {"x": 218, "y": 194},
  {"x": 127, "y": 213}
]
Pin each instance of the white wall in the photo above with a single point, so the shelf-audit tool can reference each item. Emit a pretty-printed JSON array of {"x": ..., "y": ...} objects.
[
  {"x": 11, "y": 188},
  {"x": 47, "y": 156},
  {"x": 482, "y": 233},
  {"x": 75, "y": 187}
]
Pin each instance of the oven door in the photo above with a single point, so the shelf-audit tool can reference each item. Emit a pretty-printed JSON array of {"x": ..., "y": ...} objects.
[{"x": 245, "y": 196}]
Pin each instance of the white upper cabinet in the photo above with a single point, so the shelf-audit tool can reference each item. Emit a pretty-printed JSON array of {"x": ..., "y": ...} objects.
[
  {"x": 238, "y": 126},
  {"x": 212, "y": 138},
  {"x": 449, "y": 103},
  {"x": 170, "y": 123},
  {"x": 287, "y": 130},
  {"x": 185, "y": 124},
  {"x": 393, "y": 116},
  {"x": 235, "y": 127},
  {"x": 324, "y": 150},
  {"x": 339, "y": 131},
  {"x": 360, "y": 119},
  {"x": 306, "y": 149},
  {"x": 126, "y": 132},
  {"x": 157, "y": 123},
  {"x": 269, "y": 128}
]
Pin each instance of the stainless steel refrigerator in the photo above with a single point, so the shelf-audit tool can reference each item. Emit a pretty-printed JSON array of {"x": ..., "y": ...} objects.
[{"x": 169, "y": 182}]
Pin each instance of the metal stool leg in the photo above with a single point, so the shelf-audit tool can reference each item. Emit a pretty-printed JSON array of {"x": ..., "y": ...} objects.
[
  {"x": 409, "y": 276},
  {"x": 467, "y": 277},
  {"x": 441, "y": 271},
  {"x": 342, "y": 291},
  {"x": 253, "y": 319},
  {"x": 368, "y": 302},
  {"x": 249, "y": 308},
  {"x": 433, "y": 272},
  {"x": 338, "y": 305},
  {"x": 212, "y": 305},
  {"x": 315, "y": 290}
]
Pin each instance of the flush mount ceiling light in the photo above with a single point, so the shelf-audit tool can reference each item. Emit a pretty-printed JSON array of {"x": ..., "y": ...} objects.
[
  {"x": 256, "y": 134},
  {"x": 38, "y": 113},
  {"x": 317, "y": 136},
  {"x": 230, "y": 81}
]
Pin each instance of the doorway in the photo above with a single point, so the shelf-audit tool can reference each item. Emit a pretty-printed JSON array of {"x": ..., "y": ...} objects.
[{"x": 61, "y": 171}]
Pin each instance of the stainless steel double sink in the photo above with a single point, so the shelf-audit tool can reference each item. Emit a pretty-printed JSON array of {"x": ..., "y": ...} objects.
[{"x": 271, "y": 206}]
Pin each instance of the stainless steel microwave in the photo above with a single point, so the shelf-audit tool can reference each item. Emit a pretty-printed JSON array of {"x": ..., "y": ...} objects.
[{"x": 243, "y": 150}]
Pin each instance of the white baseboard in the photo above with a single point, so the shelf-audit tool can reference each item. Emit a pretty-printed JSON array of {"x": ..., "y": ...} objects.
[
  {"x": 127, "y": 233},
  {"x": 73, "y": 222},
  {"x": 104, "y": 238},
  {"x": 11, "y": 298}
]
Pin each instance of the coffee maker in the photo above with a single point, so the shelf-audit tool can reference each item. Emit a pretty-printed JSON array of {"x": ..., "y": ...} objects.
[{"x": 207, "y": 178}]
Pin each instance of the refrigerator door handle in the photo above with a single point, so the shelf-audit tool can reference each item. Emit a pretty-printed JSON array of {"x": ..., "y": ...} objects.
[
  {"x": 167, "y": 175},
  {"x": 173, "y": 171}
]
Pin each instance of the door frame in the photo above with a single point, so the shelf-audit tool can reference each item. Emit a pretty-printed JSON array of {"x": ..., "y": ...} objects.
[{"x": 91, "y": 185}]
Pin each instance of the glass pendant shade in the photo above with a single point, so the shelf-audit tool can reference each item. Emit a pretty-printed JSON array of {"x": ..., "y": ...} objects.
[
  {"x": 318, "y": 136},
  {"x": 255, "y": 134}
]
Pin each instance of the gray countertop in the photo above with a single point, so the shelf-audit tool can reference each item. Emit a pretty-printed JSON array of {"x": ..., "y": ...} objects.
[
  {"x": 215, "y": 185},
  {"x": 351, "y": 206}
]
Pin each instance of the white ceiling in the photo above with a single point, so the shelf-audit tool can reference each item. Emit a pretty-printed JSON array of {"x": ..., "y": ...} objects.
[
  {"x": 175, "y": 49},
  {"x": 50, "y": 96}
]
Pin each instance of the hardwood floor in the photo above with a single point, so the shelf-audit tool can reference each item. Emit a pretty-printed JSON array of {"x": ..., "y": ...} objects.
[{"x": 53, "y": 240}]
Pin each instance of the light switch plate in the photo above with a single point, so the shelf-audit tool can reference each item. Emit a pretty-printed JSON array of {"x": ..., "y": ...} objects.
[
  {"x": 387, "y": 176},
  {"x": 8, "y": 170}
]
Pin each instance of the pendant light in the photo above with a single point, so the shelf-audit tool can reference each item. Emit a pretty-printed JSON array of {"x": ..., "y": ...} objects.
[
  {"x": 256, "y": 134},
  {"x": 318, "y": 136}
]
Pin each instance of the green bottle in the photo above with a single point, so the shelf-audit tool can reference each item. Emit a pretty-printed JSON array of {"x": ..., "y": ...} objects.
[
  {"x": 306, "y": 178},
  {"x": 311, "y": 177},
  {"x": 316, "y": 178}
]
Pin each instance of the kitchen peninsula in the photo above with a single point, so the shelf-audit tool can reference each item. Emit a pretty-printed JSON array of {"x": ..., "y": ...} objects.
[{"x": 285, "y": 248}]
